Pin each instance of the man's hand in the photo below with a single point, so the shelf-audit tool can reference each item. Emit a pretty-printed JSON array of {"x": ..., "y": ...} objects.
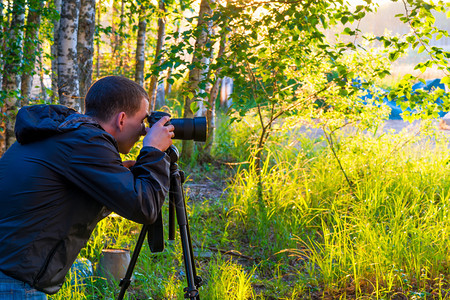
[{"x": 159, "y": 136}]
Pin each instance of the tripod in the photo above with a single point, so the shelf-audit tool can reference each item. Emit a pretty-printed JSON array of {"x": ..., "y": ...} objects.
[{"x": 155, "y": 233}]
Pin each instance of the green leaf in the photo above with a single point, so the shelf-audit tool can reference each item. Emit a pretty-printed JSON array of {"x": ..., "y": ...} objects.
[
  {"x": 194, "y": 106},
  {"x": 446, "y": 80},
  {"x": 421, "y": 49},
  {"x": 393, "y": 56},
  {"x": 343, "y": 92},
  {"x": 348, "y": 31}
]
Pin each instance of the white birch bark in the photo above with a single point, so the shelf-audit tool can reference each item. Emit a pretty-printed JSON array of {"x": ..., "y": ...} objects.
[
  {"x": 158, "y": 61},
  {"x": 140, "y": 49},
  {"x": 54, "y": 53},
  {"x": 85, "y": 45},
  {"x": 97, "y": 65},
  {"x": 30, "y": 51},
  {"x": 213, "y": 93},
  {"x": 68, "y": 84},
  {"x": 41, "y": 75},
  {"x": 12, "y": 71}
]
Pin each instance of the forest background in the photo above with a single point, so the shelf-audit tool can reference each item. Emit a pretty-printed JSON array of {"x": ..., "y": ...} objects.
[{"x": 275, "y": 212}]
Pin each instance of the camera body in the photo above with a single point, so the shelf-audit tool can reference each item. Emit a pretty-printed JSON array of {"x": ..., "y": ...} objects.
[{"x": 185, "y": 128}]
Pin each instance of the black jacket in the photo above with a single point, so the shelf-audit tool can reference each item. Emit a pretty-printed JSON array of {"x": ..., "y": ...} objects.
[{"x": 57, "y": 182}]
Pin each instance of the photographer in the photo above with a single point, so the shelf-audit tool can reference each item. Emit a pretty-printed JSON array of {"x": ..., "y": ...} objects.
[{"x": 64, "y": 174}]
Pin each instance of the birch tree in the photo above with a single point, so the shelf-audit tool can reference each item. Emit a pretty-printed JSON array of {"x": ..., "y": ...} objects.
[
  {"x": 158, "y": 59},
  {"x": 12, "y": 71},
  {"x": 140, "y": 48},
  {"x": 1, "y": 39},
  {"x": 200, "y": 67},
  {"x": 213, "y": 93},
  {"x": 2, "y": 43},
  {"x": 41, "y": 75},
  {"x": 54, "y": 51},
  {"x": 30, "y": 51},
  {"x": 98, "y": 39},
  {"x": 68, "y": 84},
  {"x": 85, "y": 45}
]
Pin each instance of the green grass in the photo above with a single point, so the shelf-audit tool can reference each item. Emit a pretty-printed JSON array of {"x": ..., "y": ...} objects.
[{"x": 382, "y": 234}]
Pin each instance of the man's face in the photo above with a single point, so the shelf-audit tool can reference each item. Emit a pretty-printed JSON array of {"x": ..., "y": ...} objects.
[{"x": 132, "y": 128}]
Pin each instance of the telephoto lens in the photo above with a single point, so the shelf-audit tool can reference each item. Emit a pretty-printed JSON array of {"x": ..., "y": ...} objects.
[{"x": 185, "y": 128}]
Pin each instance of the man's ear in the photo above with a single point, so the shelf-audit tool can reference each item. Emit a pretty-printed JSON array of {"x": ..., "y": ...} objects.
[{"x": 120, "y": 120}]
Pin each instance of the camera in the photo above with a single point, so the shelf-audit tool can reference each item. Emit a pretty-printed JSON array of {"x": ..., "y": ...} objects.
[{"x": 185, "y": 129}]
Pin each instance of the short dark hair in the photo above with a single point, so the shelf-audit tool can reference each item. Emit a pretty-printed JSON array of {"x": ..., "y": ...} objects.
[{"x": 112, "y": 94}]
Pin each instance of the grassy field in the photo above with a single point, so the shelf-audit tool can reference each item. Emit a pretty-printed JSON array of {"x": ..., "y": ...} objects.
[{"x": 377, "y": 228}]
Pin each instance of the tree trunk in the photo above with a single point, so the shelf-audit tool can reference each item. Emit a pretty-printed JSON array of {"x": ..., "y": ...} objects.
[
  {"x": 68, "y": 84},
  {"x": 225, "y": 91},
  {"x": 140, "y": 48},
  {"x": 54, "y": 53},
  {"x": 114, "y": 35},
  {"x": 120, "y": 43},
  {"x": 85, "y": 45},
  {"x": 2, "y": 111},
  {"x": 9, "y": 4},
  {"x": 41, "y": 75},
  {"x": 198, "y": 74},
  {"x": 12, "y": 71},
  {"x": 97, "y": 65},
  {"x": 2, "y": 44},
  {"x": 211, "y": 110},
  {"x": 30, "y": 51},
  {"x": 158, "y": 60},
  {"x": 117, "y": 35}
]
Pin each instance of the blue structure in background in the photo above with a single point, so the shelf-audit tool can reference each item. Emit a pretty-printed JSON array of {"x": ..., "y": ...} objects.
[{"x": 396, "y": 109}]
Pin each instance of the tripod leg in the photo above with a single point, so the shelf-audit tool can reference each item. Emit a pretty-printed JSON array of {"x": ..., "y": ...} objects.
[
  {"x": 191, "y": 290},
  {"x": 178, "y": 196},
  {"x": 125, "y": 282},
  {"x": 171, "y": 216}
]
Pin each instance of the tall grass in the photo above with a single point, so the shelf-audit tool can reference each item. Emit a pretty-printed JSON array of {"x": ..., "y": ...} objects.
[
  {"x": 385, "y": 232},
  {"x": 228, "y": 280}
]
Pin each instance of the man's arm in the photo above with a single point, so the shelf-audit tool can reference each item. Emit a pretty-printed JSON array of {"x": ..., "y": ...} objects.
[{"x": 96, "y": 168}]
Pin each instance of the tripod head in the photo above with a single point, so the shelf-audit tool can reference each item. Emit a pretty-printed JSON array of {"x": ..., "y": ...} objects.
[{"x": 173, "y": 153}]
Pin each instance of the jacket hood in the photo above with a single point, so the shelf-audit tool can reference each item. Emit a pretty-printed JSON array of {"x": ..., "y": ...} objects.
[{"x": 37, "y": 122}]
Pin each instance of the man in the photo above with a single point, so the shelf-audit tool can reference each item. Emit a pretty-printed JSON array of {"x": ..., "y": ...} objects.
[{"x": 64, "y": 174}]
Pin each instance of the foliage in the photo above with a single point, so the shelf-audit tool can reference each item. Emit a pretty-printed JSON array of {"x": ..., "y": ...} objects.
[
  {"x": 419, "y": 16},
  {"x": 386, "y": 235}
]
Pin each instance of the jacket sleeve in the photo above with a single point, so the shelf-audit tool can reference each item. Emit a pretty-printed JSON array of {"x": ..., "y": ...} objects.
[{"x": 95, "y": 167}]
